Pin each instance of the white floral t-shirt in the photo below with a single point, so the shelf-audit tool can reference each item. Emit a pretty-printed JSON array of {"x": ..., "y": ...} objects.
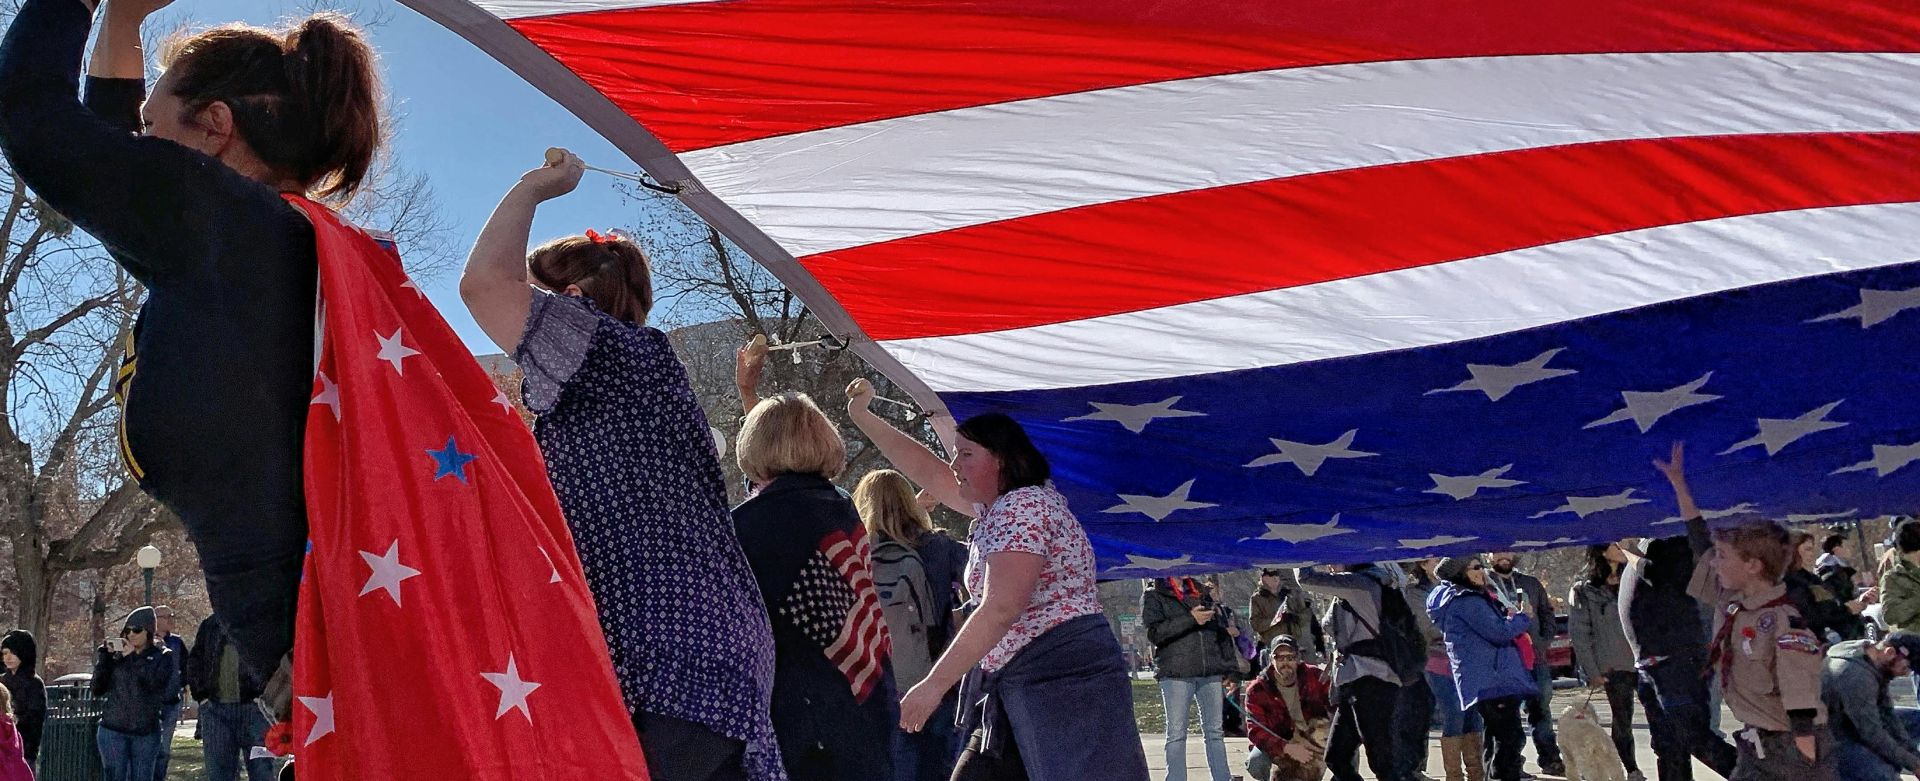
[{"x": 1035, "y": 520}]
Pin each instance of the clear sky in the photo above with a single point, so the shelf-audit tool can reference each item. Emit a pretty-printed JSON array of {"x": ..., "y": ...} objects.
[{"x": 468, "y": 123}]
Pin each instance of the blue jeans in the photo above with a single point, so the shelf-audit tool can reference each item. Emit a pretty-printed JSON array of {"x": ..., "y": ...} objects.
[
  {"x": 230, "y": 731},
  {"x": 1454, "y": 720},
  {"x": 1176, "y": 693},
  {"x": 127, "y": 757},
  {"x": 1855, "y": 762},
  {"x": 1540, "y": 715},
  {"x": 169, "y": 719}
]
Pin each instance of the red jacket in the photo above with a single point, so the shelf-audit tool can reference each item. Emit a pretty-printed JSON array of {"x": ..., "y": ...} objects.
[{"x": 1265, "y": 708}]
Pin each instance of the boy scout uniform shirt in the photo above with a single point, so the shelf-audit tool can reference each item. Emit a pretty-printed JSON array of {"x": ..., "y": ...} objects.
[{"x": 1775, "y": 665}]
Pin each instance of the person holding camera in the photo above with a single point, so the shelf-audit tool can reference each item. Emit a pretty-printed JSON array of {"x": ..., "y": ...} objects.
[
  {"x": 1194, "y": 644},
  {"x": 134, "y": 675}
]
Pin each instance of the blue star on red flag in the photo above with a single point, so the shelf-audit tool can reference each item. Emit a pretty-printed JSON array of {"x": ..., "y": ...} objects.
[{"x": 450, "y": 461}]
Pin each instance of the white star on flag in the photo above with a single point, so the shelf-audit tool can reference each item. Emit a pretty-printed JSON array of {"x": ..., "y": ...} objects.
[
  {"x": 1137, "y": 561},
  {"x": 415, "y": 287},
  {"x": 1543, "y": 543},
  {"x": 1647, "y": 408},
  {"x": 550, "y": 565},
  {"x": 1297, "y": 533},
  {"x": 1584, "y": 506},
  {"x": 1877, "y": 306},
  {"x": 1135, "y": 417},
  {"x": 1498, "y": 381},
  {"x": 388, "y": 572},
  {"x": 1308, "y": 458},
  {"x": 322, "y": 708},
  {"x": 1743, "y": 508},
  {"x": 513, "y": 690},
  {"x": 1434, "y": 542},
  {"x": 393, "y": 350},
  {"x": 504, "y": 402},
  {"x": 1818, "y": 517},
  {"x": 1159, "y": 507},
  {"x": 1886, "y": 460},
  {"x": 1776, "y": 433},
  {"x": 1461, "y": 488},
  {"x": 329, "y": 395}
]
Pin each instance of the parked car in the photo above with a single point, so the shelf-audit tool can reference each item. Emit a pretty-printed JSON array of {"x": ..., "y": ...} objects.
[{"x": 1560, "y": 651}]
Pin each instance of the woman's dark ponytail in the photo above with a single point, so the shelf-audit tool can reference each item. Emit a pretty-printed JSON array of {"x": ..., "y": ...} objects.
[{"x": 306, "y": 100}]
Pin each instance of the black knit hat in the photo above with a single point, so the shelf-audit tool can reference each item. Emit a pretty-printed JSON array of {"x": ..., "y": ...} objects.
[{"x": 20, "y": 642}]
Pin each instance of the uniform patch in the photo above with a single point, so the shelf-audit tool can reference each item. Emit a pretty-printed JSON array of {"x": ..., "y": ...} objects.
[
  {"x": 1768, "y": 621},
  {"x": 1798, "y": 640}
]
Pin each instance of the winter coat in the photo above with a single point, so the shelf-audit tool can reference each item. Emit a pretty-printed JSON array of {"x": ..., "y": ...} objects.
[
  {"x": 29, "y": 692},
  {"x": 13, "y": 762},
  {"x": 1183, "y": 648},
  {"x": 1599, "y": 637},
  {"x": 135, "y": 686},
  {"x": 1662, "y": 619},
  {"x": 1859, "y": 707},
  {"x": 1289, "y": 612},
  {"x": 1838, "y": 576},
  {"x": 1417, "y": 595},
  {"x": 1353, "y": 619},
  {"x": 1481, "y": 644},
  {"x": 1536, "y": 593},
  {"x": 1900, "y": 595},
  {"x": 1266, "y": 709},
  {"x": 202, "y": 666},
  {"x": 1825, "y": 614}
]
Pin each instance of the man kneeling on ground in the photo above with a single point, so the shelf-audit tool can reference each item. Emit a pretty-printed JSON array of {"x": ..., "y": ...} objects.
[
  {"x": 1873, "y": 740},
  {"x": 1288, "y": 714}
]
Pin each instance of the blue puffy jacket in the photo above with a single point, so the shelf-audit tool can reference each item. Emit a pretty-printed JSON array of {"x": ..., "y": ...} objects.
[{"x": 1480, "y": 643}]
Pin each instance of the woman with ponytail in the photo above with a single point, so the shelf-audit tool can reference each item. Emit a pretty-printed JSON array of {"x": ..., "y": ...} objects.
[
  {"x": 186, "y": 192},
  {"x": 336, "y": 454}
]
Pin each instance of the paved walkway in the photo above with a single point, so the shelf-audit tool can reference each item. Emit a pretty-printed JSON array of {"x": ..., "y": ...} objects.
[{"x": 1196, "y": 760}]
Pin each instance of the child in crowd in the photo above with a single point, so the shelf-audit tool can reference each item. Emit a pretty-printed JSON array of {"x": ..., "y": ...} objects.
[
  {"x": 1767, "y": 658},
  {"x": 13, "y": 760}
]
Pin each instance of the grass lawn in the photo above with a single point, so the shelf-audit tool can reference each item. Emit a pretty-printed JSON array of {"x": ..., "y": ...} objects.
[{"x": 189, "y": 760}]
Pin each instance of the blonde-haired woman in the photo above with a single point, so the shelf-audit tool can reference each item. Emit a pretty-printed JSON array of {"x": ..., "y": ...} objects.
[
  {"x": 919, "y": 567},
  {"x": 833, "y": 698}
]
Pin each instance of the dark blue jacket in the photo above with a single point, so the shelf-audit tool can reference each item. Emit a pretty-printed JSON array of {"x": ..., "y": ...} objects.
[{"x": 1480, "y": 643}]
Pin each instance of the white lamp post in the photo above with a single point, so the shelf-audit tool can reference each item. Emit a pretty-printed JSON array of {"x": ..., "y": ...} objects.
[{"x": 149, "y": 560}]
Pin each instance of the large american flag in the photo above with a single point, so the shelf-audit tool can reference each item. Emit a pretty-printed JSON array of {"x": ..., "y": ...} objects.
[{"x": 1293, "y": 281}]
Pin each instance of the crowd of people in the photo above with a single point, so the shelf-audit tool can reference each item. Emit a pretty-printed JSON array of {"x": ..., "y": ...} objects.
[
  {"x": 806, "y": 633},
  {"x": 1771, "y": 621}
]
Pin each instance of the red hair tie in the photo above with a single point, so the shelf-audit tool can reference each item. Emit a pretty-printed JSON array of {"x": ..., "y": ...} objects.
[{"x": 598, "y": 237}]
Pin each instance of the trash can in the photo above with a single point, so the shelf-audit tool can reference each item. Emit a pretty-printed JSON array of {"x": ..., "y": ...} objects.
[{"x": 69, "y": 750}]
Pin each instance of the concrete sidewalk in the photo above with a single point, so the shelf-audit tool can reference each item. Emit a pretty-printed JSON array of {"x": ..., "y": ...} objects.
[{"x": 1196, "y": 759}]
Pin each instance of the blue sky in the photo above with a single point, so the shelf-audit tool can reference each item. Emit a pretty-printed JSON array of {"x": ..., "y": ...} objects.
[{"x": 469, "y": 123}]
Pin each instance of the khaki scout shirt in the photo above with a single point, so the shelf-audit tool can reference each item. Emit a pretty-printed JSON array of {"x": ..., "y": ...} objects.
[{"x": 1776, "y": 659}]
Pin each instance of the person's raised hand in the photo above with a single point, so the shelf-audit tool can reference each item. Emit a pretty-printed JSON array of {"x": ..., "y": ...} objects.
[
  {"x": 559, "y": 176},
  {"x": 859, "y": 395},
  {"x": 1675, "y": 467},
  {"x": 749, "y": 362},
  {"x": 1201, "y": 614}
]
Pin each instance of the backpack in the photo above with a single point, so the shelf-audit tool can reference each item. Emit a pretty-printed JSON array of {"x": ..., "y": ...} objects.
[
  {"x": 900, "y": 580},
  {"x": 1397, "y": 641}
]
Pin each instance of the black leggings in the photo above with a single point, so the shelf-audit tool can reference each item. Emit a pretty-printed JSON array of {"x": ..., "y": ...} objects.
[
  {"x": 1363, "y": 716},
  {"x": 1505, "y": 738},
  {"x": 1620, "y": 689}
]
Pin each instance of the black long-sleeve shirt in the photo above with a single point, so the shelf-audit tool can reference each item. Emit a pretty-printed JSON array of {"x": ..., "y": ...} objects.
[{"x": 221, "y": 370}]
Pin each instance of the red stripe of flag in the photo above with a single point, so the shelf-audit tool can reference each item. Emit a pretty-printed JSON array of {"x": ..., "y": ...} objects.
[
  {"x": 1200, "y": 245},
  {"x": 706, "y": 74}
]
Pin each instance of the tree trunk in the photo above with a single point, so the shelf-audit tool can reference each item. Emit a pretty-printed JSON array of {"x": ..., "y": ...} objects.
[{"x": 37, "y": 584}]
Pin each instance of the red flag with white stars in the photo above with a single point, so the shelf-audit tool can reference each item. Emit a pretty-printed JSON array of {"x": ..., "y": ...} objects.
[{"x": 445, "y": 627}]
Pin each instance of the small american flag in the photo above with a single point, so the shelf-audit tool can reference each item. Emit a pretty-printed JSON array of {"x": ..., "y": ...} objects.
[{"x": 834, "y": 604}]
